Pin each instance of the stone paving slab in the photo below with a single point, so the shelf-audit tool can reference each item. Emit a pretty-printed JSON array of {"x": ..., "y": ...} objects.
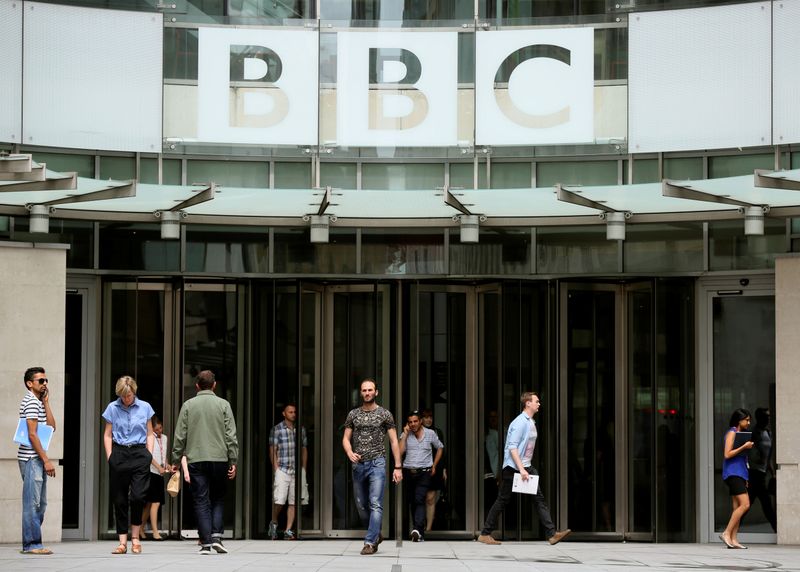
[{"x": 432, "y": 556}]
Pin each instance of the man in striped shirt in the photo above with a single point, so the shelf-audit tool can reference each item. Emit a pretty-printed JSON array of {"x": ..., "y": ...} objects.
[
  {"x": 34, "y": 465},
  {"x": 417, "y": 443}
]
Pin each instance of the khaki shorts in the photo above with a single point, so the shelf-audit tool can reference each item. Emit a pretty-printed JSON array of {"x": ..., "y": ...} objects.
[{"x": 283, "y": 488}]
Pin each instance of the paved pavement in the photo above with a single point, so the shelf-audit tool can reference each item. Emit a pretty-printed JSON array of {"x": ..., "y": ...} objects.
[{"x": 437, "y": 556}]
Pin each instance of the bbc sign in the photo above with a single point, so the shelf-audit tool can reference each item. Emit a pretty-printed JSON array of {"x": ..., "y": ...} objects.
[{"x": 398, "y": 89}]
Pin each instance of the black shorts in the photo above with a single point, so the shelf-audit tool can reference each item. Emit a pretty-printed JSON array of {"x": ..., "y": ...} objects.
[
  {"x": 155, "y": 493},
  {"x": 736, "y": 486}
]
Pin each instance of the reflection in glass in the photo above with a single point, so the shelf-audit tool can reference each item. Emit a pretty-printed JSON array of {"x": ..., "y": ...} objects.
[
  {"x": 410, "y": 253},
  {"x": 500, "y": 251},
  {"x": 357, "y": 354},
  {"x": 675, "y": 411},
  {"x": 136, "y": 348},
  {"x": 640, "y": 408},
  {"x": 730, "y": 249},
  {"x": 744, "y": 376},
  {"x": 441, "y": 381},
  {"x": 667, "y": 247},
  {"x": 79, "y": 234},
  {"x": 575, "y": 250},
  {"x": 591, "y": 415},
  {"x": 71, "y": 511},
  {"x": 294, "y": 252},
  {"x": 214, "y": 248},
  {"x": 136, "y": 246},
  {"x": 210, "y": 341}
]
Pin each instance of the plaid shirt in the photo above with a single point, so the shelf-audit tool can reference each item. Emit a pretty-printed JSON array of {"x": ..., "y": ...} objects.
[{"x": 282, "y": 438}]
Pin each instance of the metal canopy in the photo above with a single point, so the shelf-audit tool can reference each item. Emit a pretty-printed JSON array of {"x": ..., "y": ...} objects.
[{"x": 561, "y": 205}]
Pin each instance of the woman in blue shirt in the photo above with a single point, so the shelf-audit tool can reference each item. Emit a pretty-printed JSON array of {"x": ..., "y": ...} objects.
[
  {"x": 128, "y": 440},
  {"x": 735, "y": 474}
]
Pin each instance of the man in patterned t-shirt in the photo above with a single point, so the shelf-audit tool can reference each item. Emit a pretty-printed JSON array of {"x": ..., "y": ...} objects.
[
  {"x": 364, "y": 430},
  {"x": 34, "y": 465}
]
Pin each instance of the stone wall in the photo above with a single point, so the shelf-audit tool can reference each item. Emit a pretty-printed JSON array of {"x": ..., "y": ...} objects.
[
  {"x": 33, "y": 285},
  {"x": 787, "y": 398}
]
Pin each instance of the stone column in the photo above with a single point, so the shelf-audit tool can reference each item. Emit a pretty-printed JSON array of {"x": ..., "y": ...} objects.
[
  {"x": 32, "y": 303},
  {"x": 787, "y": 398}
]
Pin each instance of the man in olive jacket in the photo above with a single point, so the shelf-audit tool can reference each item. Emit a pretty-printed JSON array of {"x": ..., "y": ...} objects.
[{"x": 206, "y": 435}]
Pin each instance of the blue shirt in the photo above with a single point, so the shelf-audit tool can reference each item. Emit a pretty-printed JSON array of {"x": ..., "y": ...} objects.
[
  {"x": 419, "y": 452},
  {"x": 737, "y": 466},
  {"x": 522, "y": 437},
  {"x": 129, "y": 424}
]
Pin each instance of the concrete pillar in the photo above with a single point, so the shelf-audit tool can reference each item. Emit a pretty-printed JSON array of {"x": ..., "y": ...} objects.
[
  {"x": 787, "y": 398},
  {"x": 32, "y": 303}
]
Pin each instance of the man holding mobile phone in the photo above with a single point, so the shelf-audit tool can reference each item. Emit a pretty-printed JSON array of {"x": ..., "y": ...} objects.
[{"x": 34, "y": 465}]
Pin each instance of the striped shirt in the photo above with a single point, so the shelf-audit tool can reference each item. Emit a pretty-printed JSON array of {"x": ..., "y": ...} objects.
[
  {"x": 282, "y": 439},
  {"x": 419, "y": 452},
  {"x": 30, "y": 408}
]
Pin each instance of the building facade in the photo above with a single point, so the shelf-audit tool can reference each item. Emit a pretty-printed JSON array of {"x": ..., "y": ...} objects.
[{"x": 464, "y": 200}]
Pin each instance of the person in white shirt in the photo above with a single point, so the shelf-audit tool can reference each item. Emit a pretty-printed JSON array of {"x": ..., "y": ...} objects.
[{"x": 158, "y": 469}]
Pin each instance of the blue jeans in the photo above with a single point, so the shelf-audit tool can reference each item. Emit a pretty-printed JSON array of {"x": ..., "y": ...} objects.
[
  {"x": 369, "y": 478},
  {"x": 208, "y": 481},
  {"x": 34, "y": 502}
]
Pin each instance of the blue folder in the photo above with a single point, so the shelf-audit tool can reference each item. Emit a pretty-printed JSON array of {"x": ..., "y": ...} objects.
[{"x": 45, "y": 433}]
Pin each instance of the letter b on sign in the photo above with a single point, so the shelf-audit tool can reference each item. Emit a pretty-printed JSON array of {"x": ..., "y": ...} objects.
[{"x": 253, "y": 86}]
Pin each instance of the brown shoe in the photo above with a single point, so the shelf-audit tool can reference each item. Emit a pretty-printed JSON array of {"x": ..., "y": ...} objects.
[
  {"x": 487, "y": 539},
  {"x": 559, "y": 536},
  {"x": 369, "y": 549}
]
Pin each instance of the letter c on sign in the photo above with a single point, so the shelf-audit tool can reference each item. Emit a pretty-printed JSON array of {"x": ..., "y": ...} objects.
[{"x": 503, "y": 98}]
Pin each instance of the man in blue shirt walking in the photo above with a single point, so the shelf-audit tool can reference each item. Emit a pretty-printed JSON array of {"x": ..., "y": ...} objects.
[{"x": 518, "y": 453}]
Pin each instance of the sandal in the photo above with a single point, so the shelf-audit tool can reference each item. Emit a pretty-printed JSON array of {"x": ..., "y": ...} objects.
[
  {"x": 136, "y": 547},
  {"x": 121, "y": 549}
]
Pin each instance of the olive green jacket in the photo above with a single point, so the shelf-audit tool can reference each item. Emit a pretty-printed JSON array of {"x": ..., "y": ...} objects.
[{"x": 206, "y": 430}]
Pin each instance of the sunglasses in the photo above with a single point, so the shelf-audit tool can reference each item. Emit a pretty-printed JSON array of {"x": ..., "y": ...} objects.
[{"x": 41, "y": 381}]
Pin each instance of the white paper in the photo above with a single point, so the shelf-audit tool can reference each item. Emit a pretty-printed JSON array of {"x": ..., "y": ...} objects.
[{"x": 529, "y": 487}]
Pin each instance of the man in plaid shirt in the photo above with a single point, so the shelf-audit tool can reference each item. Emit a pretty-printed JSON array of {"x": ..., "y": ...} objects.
[{"x": 282, "y": 440}]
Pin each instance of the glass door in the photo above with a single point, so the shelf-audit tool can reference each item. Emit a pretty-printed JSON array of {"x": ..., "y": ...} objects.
[
  {"x": 358, "y": 340},
  {"x": 138, "y": 324},
  {"x": 592, "y": 436},
  {"x": 163, "y": 334},
  {"x": 442, "y": 370},
  {"x": 211, "y": 316},
  {"x": 740, "y": 350}
]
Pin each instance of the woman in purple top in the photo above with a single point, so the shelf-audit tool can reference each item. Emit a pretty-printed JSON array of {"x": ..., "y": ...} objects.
[{"x": 735, "y": 474}]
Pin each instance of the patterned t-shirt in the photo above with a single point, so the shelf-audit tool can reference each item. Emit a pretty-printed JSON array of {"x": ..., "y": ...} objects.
[
  {"x": 30, "y": 408},
  {"x": 369, "y": 429}
]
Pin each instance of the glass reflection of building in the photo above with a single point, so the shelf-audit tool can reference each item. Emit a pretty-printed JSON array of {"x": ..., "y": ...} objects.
[{"x": 604, "y": 330}]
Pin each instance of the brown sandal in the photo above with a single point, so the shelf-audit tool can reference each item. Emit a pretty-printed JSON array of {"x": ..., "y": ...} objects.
[
  {"x": 121, "y": 549},
  {"x": 136, "y": 547}
]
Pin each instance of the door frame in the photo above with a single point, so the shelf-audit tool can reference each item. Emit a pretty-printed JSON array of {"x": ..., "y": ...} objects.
[
  {"x": 87, "y": 288},
  {"x": 707, "y": 289}
]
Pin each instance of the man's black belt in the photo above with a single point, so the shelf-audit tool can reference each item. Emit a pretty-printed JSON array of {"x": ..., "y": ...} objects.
[
  {"x": 420, "y": 470},
  {"x": 132, "y": 446}
]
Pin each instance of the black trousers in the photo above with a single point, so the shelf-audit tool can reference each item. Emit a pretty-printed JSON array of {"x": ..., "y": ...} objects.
[
  {"x": 504, "y": 495},
  {"x": 129, "y": 470},
  {"x": 417, "y": 486},
  {"x": 758, "y": 490}
]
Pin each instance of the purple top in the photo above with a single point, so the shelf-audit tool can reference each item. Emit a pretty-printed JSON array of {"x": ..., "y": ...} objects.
[{"x": 737, "y": 466}]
